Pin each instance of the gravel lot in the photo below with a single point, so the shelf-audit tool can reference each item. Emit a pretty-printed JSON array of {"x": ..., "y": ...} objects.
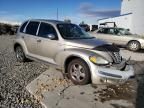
[{"x": 14, "y": 77}]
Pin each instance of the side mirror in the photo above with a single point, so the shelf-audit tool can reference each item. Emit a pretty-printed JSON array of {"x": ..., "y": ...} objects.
[{"x": 51, "y": 36}]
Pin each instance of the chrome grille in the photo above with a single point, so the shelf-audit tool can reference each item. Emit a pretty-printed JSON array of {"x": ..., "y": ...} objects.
[{"x": 116, "y": 57}]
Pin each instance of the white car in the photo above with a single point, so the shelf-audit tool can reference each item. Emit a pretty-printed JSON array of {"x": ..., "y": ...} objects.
[
  {"x": 120, "y": 36},
  {"x": 66, "y": 46}
]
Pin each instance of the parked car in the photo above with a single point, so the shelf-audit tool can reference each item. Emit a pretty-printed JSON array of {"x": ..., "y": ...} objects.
[
  {"x": 120, "y": 36},
  {"x": 94, "y": 27},
  {"x": 85, "y": 27},
  {"x": 66, "y": 46}
]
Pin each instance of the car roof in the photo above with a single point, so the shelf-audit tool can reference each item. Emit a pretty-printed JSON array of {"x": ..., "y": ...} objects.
[
  {"x": 49, "y": 21},
  {"x": 111, "y": 28}
]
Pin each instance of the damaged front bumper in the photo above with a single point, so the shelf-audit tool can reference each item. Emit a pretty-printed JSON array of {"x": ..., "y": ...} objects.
[{"x": 103, "y": 75}]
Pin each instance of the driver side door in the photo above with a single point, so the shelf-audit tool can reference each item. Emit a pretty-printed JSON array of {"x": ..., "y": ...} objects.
[
  {"x": 47, "y": 48},
  {"x": 103, "y": 34}
]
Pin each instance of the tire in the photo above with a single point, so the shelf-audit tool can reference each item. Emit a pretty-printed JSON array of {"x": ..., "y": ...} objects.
[
  {"x": 133, "y": 45},
  {"x": 20, "y": 56},
  {"x": 79, "y": 72}
]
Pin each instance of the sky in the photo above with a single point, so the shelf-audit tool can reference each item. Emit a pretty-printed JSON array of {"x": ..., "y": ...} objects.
[{"x": 77, "y": 11}]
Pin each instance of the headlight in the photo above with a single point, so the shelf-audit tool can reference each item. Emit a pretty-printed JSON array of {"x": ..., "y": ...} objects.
[{"x": 98, "y": 60}]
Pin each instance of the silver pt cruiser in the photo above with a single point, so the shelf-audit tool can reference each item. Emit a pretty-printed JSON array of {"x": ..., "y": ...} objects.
[{"x": 66, "y": 46}]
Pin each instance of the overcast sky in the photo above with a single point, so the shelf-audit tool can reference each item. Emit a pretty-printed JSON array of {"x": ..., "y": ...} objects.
[{"x": 88, "y": 11}]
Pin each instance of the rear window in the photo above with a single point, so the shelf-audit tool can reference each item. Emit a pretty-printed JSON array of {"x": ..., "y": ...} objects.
[
  {"x": 23, "y": 26},
  {"x": 32, "y": 28}
]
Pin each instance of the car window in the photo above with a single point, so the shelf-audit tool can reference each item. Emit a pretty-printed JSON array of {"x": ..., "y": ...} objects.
[
  {"x": 103, "y": 31},
  {"x": 117, "y": 32},
  {"x": 23, "y": 26},
  {"x": 123, "y": 31},
  {"x": 111, "y": 31},
  {"x": 46, "y": 29},
  {"x": 72, "y": 31},
  {"x": 32, "y": 28}
]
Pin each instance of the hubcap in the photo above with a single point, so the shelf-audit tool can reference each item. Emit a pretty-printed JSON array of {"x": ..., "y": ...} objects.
[
  {"x": 19, "y": 54},
  {"x": 77, "y": 72},
  {"x": 134, "y": 46}
]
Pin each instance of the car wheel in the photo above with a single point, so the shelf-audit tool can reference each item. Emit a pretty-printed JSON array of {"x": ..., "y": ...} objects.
[
  {"x": 20, "y": 56},
  {"x": 78, "y": 72},
  {"x": 134, "y": 45}
]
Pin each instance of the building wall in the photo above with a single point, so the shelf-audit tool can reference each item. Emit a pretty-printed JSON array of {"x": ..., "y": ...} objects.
[
  {"x": 137, "y": 8},
  {"x": 126, "y": 6},
  {"x": 123, "y": 21},
  {"x": 138, "y": 17},
  {"x": 135, "y": 21}
]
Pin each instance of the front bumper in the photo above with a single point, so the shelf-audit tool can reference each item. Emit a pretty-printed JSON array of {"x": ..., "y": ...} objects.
[{"x": 103, "y": 75}]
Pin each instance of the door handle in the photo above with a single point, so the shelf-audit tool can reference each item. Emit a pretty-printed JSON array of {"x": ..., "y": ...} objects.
[{"x": 38, "y": 40}]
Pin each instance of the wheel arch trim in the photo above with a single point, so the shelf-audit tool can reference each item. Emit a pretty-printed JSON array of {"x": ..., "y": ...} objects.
[
  {"x": 76, "y": 56},
  {"x": 133, "y": 40},
  {"x": 22, "y": 45}
]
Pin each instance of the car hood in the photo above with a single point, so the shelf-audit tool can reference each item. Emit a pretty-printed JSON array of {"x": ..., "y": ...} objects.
[
  {"x": 85, "y": 43},
  {"x": 99, "y": 47}
]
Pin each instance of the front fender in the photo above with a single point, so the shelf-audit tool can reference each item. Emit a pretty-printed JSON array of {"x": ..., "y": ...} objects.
[{"x": 84, "y": 54}]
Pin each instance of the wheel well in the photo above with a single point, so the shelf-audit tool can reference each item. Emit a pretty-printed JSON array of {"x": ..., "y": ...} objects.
[
  {"x": 68, "y": 60},
  {"x": 134, "y": 40},
  {"x": 16, "y": 45}
]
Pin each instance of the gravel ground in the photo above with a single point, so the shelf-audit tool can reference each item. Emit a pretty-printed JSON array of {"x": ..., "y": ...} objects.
[{"x": 15, "y": 76}]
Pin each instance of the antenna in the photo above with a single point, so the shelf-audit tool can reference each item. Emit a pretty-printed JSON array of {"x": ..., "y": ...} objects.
[{"x": 57, "y": 14}]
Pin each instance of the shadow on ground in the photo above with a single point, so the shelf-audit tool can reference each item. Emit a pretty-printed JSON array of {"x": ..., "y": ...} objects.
[
  {"x": 140, "y": 51},
  {"x": 139, "y": 69}
]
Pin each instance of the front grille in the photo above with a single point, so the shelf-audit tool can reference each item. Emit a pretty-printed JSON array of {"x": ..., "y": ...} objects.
[
  {"x": 112, "y": 50},
  {"x": 115, "y": 56}
]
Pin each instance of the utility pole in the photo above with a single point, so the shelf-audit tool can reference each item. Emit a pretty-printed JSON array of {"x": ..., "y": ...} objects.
[{"x": 57, "y": 14}]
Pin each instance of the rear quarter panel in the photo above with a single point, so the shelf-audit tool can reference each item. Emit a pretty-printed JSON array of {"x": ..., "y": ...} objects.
[{"x": 21, "y": 42}]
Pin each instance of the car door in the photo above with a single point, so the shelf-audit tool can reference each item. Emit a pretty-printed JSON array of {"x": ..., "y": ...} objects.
[
  {"x": 116, "y": 37},
  {"x": 30, "y": 36},
  {"x": 48, "y": 48}
]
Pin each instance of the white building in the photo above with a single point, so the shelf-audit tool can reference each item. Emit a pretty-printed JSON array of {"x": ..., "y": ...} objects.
[{"x": 132, "y": 16}]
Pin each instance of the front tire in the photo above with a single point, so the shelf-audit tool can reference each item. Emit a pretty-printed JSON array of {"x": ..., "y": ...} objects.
[
  {"x": 134, "y": 46},
  {"x": 20, "y": 56},
  {"x": 79, "y": 72}
]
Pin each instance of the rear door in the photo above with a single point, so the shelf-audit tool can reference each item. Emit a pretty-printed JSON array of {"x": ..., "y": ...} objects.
[
  {"x": 103, "y": 34},
  {"x": 30, "y": 36},
  {"x": 116, "y": 37}
]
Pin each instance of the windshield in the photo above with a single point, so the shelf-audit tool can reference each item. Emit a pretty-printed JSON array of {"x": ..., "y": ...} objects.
[
  {"x": 124, "y": 31},
  {"x": 72, "y": 31}
]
